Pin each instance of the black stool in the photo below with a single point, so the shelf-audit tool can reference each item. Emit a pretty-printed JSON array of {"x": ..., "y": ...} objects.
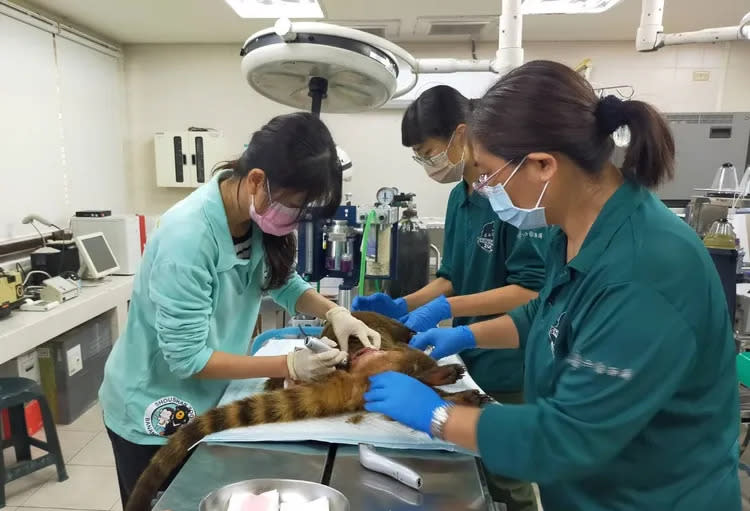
[{"x": 14, "y": 393}]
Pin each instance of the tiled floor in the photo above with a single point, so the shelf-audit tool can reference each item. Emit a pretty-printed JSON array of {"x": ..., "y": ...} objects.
[{"x": 92, "y": 480}]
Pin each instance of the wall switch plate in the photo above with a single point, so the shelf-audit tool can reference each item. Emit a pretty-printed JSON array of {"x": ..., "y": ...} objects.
[{"x": 701, "y": 76}]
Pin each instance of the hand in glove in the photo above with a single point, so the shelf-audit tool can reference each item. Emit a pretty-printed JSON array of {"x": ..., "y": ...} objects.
[
  {"x": 404, "y": 399},
  {"x": 345, "y": 325},
  {"x": 446, "y": 341},
  {"x": 305, "y": 365},
  {"x": 382, "y": 303},
  {"x": 428, "y": 315}
]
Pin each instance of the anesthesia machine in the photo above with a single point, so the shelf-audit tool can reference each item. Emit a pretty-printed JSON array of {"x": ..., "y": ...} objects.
[{"x": 357, "y": 243}]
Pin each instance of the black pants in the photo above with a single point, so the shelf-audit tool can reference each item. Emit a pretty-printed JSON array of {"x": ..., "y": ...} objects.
[{"x": 131, "y": 460}]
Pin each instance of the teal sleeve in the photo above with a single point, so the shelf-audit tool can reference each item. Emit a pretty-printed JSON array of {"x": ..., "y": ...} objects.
[
  {"x": 288, "y": 294},
  {"x": 525, "y": 252},
  {"x": 523, "y": 317},
  {"x": 629, "y": 356},
  {"x": 182, "y": 295}
]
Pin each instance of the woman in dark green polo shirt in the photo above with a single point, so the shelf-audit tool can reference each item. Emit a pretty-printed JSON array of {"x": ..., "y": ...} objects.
[
  {"x": 487, "y": 268},
  {"x": 630, "y": 382}
]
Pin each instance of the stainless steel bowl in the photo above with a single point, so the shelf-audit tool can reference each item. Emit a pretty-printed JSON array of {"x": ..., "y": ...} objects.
[{"x": 289, "y": 490}]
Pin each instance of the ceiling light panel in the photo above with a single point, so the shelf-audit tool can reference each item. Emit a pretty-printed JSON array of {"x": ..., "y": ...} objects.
[
  {"x": 271, "y": 9},
  {"x": 567, "y": 6},
  {"x": 456, "y": 28},
  {"x": 388, "y": 29}
]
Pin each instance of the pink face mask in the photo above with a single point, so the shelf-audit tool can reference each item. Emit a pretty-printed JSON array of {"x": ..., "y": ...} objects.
[{"x": 277, "y": 220}]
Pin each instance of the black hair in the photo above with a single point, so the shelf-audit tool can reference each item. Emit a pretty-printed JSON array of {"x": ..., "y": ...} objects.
[
  {"x": 297, "y": 154},
  {"x": 435, "y": 113},
  {"x": 546, "y": 106}
]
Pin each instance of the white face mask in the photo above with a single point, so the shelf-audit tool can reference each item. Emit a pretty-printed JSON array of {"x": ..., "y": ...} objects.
[
  {"x": 441, "y": 168},
  {"x": 502, "y": 205}
]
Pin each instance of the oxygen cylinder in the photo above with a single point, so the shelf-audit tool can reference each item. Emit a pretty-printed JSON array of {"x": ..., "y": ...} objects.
[{"x": 413, "y": 256}]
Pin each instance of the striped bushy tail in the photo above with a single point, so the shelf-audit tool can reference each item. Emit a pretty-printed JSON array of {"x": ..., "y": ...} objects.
[{"x": 338, "y": 394}]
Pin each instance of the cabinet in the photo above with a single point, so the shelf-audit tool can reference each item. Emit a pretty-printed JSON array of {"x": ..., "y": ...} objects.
[{"x": 185, "y": 159}]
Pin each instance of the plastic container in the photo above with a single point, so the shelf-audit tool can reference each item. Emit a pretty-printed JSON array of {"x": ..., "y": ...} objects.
[
  {"x": 72, "y": 368},
  {"x": 745, "y": 183},
  {"x": 720, "y": 236},
  {"x": 725, "y": 179}
]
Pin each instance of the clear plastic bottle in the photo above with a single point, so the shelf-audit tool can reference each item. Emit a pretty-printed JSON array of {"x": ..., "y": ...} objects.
[
  {"x": 745, "y": 183},
  {"x": 725, "y": 179},
  {"x": 720, "y": 235}
]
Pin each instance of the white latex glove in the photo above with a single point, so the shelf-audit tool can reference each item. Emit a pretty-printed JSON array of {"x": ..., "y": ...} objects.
[
  {"x": 345, "y": 325},
  {"x": 305, "y": 365}
]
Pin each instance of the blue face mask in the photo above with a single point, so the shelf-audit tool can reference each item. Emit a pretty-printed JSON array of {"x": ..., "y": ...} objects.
[{"x": 502, "y": 205}]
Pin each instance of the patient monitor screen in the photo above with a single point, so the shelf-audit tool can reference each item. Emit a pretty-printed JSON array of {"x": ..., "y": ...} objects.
[{"x": 101, "y": 256}]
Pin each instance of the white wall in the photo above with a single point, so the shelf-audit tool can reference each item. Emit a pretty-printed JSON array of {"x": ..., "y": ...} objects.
[
  {"x": 61, "y": 102},
  {"x": 736, "y": 95},
  {"x": 171, "y": 87}
]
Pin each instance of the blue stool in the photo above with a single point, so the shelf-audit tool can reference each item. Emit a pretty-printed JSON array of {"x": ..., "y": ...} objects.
[{"x": 14, "y": 394}]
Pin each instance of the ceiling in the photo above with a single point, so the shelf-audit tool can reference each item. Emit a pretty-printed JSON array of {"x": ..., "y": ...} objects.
[{"x": 213, "y": 21}]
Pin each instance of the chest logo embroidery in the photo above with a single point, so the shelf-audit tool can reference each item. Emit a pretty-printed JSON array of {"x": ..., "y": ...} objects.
[
  {"x": 164, "y": 416},
  {"x": 554, "y": 332},
  {"x": 537, "y": 235},
  {"x": 486, "y": 238}
]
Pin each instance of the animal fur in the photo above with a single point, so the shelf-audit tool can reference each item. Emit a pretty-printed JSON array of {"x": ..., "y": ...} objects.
[{"x": 341, "y": 392}]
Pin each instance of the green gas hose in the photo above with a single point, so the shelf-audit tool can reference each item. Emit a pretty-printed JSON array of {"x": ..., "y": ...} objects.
[{"x": 363, "y": 250}]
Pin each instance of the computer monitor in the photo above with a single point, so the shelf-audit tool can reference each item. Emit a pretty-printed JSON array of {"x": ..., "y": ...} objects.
[{"x": 96, "y": 255}]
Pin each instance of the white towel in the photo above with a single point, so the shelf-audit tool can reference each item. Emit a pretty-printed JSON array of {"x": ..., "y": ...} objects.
[{"x": 373, "y": 429}]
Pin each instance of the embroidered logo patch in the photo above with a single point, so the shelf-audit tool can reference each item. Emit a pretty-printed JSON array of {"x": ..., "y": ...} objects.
[
  {"x": 486, "y": 238},
  {"x": 164, "y": 416}
]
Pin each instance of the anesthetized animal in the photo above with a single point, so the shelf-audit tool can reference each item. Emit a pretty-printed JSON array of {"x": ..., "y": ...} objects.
[{"x": 339, "y": 393}]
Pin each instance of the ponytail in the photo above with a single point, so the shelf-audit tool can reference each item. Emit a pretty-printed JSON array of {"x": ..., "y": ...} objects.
[
  {"x": 544, "y": 106},
  {"x": 649, "y": 159}
]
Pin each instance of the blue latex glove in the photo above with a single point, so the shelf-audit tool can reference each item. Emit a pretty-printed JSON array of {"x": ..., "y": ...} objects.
[
  {"x": 403, "y": 399},
  {"x": 447, "y": 341},
  {"x": 428, "y": 315},
  {"x": 382, "y": 303}
]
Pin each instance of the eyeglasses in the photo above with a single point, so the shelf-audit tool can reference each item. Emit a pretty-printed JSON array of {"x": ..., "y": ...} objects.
[
  {"x": 423, "y": 160},
  {"x": 480, "y": 182},
  {"x": 432, "y": 160},
  {"x": 483, "y": 180}
]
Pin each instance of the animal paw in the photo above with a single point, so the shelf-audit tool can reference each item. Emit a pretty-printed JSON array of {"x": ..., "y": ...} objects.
[
  {"x": 356, "y": 419},
  {"x": 469, "y": 398},
  {"x": 443, "y": 375}
]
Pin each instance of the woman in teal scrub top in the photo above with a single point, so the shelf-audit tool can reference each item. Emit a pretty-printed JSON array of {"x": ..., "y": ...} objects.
[
  {"x": 197, "y": 294},
  {"x": 630, "y": 384}
]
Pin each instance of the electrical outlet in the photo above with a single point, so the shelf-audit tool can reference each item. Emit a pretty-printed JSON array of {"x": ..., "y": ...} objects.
[{"x": 701, "y": 76}]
